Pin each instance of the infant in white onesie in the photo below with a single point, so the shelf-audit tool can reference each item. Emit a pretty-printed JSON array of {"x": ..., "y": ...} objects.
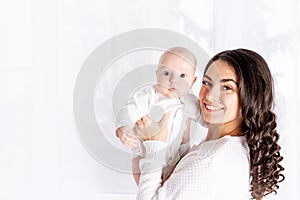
[{"x": 175, "y": 77}]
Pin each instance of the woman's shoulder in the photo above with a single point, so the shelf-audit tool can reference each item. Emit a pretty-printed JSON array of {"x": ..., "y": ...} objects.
[
  {"x": 233, "y": 150},
  {"x": 225, "y": 146}
]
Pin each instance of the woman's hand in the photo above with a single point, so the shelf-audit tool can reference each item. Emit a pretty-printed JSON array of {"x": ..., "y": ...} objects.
[
  {"x": 125, "y": 135},
  {"x": 151, "y": 130}
]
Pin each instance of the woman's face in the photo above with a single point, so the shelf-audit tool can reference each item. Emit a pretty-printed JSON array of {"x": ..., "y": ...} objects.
[{"x": 219, "y": 99}]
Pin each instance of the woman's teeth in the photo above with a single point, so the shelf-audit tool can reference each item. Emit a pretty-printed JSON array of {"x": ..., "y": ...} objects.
[{"x": 214, "y": 108}]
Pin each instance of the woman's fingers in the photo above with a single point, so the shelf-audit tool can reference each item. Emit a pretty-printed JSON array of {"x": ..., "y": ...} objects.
[
  {"x": 146, "y": 121},
  {"x": 151, "y": 130},
  {"x": 129, "y": 140},
  {"x": 138, "y": 123},
  {"x": 143, "y": 122}
]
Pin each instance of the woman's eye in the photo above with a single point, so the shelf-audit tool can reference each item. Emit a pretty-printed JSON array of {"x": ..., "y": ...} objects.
[
  {"x": 206, "y": 83},
  {"x": 226, "y": 88},
  {"x": 182, "y": 75}
]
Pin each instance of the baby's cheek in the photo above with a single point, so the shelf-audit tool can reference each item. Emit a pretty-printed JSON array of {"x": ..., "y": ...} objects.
[
  {"x": 184, "y": 84},
  {"x": 183, "y": 91}
]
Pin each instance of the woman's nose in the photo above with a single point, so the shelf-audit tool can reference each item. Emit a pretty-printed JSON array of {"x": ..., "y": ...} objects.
[{"x": 213, "y": 94}]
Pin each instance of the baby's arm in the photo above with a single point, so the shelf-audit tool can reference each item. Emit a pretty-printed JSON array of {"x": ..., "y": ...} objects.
[{"x": 136, "y": 107}]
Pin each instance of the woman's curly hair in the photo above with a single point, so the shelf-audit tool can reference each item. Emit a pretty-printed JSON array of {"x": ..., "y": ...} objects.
[{"x": 255, "y": 85}]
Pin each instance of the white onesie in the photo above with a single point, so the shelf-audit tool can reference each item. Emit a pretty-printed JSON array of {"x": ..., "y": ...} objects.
[{"x": 148, "y": 101}]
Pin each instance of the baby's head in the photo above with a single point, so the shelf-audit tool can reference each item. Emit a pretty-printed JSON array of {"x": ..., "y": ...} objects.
[{"x": 176, "y": 72}]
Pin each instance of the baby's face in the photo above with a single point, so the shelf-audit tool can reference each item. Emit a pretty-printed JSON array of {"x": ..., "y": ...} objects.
[{"x": 175, "y": 76}]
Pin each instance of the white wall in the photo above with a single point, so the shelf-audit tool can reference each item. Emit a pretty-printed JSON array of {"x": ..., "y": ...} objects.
[{"x": 43, "y": 45}]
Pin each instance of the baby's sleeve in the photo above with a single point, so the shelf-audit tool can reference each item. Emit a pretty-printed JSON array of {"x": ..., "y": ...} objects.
[{"x": 136, "y": 107}]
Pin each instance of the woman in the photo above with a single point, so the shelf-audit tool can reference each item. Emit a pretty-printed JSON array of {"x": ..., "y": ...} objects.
[{"x": 240, "y": 150}]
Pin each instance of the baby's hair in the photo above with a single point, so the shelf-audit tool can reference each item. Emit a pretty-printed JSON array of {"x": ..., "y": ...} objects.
[{"x": 183, "y": 53}]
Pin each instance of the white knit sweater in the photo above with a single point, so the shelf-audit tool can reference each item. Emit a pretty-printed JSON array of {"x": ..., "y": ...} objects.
[{"x": 216, "y": 169}]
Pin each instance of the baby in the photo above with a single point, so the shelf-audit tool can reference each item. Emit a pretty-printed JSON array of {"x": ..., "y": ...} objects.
[{"x": 175, "y": 76}]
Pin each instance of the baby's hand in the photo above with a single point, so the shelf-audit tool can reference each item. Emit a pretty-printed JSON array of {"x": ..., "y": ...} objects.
[{"x": 126, "y": 137}]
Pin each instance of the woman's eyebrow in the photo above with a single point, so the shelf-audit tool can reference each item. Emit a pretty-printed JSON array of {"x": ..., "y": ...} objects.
[
  {"x": 207, "y": 77},
  {"x": 228, "y": 79},
  {"x": 222, "y": 80}
]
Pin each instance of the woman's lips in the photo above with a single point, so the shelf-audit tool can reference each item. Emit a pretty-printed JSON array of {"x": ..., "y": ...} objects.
[{"x": 212, "y": 108}]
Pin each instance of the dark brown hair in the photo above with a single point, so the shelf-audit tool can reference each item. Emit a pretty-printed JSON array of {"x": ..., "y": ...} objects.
[{"x": 256, "y": 94}]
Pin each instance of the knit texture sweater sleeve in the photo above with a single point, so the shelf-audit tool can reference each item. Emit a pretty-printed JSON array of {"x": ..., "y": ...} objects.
[
  {"x": 216, "y": 169},
  {"x": 151, "y": 168}
]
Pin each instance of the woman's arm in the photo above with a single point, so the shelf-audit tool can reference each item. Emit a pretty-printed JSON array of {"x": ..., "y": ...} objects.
[
  {"x": 151, "y": 169},
  {"x": 150, "y": 183},
  {"x": 154, "y": 136}
]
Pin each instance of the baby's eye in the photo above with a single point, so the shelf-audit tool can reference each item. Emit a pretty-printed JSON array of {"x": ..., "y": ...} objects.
[
  {"x": 166, "y": 73},
  {"x": 182, "y": 75}
]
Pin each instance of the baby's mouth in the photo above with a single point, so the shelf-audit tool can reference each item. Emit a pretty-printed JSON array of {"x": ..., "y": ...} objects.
[{"x": 172, "y": 89}]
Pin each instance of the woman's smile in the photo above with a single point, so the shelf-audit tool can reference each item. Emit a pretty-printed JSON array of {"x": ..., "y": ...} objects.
[{"x": 211, "y": 108}]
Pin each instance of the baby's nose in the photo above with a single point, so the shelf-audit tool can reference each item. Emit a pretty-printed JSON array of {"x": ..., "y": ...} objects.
[{"x": 172, "y": 79}]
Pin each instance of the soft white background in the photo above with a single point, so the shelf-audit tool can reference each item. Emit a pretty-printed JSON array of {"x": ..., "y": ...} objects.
[{"x": 43, "y": 45}]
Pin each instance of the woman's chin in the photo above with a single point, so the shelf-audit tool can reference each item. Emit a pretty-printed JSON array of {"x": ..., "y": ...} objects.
[{"x": 214, "y": 120}]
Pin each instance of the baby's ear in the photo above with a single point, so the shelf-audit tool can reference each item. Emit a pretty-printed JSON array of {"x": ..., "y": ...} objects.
[{"x": 195, "y": 78}]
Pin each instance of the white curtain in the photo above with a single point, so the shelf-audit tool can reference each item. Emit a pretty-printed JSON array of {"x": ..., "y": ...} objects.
[{"x": 43, "y": 45}]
